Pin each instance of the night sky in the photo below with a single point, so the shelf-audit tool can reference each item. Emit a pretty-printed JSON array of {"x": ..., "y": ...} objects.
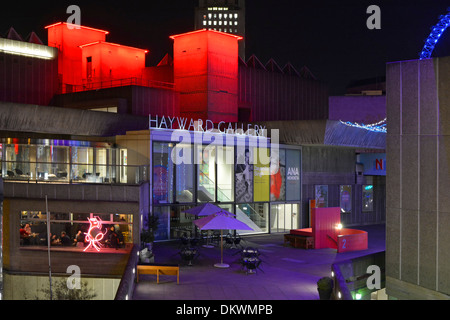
[{"x": 329, "y": 37}]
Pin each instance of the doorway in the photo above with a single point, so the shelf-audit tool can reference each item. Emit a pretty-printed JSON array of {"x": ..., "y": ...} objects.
[{"x": 284, "y": 217}]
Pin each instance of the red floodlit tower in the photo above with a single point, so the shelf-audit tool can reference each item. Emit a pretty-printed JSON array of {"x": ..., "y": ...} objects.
[
  {"x": 68, "y": 38},
  {"x": 106, "y": 61},
  {"x": 206, "y": 74}
]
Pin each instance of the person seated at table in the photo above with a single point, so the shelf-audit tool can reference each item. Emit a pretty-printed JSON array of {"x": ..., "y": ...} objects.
[
  {"x": 113, "y": 238},
  {"x": 25, "y": 235},
  {"x": 65, "y": 240},
  {"x": 54, "y": 240},
  {"x": 79, "y": 239}
]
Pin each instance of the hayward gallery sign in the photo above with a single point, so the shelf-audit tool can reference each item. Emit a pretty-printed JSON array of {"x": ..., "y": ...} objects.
[
  {"x": 182, "y": 123},
  {"x": 207, "y": 132}
]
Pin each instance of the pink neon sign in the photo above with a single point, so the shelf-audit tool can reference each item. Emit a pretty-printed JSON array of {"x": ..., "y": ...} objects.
[{"x": 94, "y": 234}]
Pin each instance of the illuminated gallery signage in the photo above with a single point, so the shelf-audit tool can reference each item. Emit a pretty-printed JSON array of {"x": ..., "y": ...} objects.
[
  {"x": 182, "y": 123},
  {"x": 26, "y": 49}
]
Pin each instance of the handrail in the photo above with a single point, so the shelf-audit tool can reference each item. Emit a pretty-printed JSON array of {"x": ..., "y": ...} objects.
[
  {"x": 126, "y": 285},
  {"x": 88, "y": 85},
  {"x": 64, "y": 171},
  {"x": 213, "y": 183},
  {"x": 340, "y": 281}
]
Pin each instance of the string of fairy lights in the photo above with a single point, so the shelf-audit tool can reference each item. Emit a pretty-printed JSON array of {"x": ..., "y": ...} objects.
[{"x": 379, "y": 126}]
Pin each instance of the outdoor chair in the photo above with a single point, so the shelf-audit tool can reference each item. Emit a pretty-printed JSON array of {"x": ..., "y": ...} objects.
[
  {"x": 189, "y": 254},
  {"x": 229, "y": 241}
]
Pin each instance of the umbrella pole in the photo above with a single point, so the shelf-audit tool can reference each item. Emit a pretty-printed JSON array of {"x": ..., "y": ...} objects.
[{"x": 221, "y": 264}]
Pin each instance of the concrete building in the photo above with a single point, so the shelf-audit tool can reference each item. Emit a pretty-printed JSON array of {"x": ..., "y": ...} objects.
[
  {"x": 222, "y": 15},
  {"x": 64, "y": 158},
  {"x": 418, "y": 180}
]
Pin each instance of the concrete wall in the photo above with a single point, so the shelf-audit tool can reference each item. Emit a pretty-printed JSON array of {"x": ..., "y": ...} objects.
[
  {"x": 361, "y": 109},
  {"x": 418, "y": 179}
]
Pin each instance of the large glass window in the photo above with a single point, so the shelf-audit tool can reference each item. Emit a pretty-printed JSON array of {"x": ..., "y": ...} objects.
[
  {"x": 82, "y": 163},
  {"x": 255, "y": 215},
  {"x": 206, "y": 178},
  {"x": 284, "y": 217},
  {"x": 244, "y": 175},
  {"x": 183, "y": 158},
  {"x": 58, "y": 163},
  {"x": 69, "y": 229},
  {"x": 162, "y": 173},
  {"x": 225, "y": 174}
]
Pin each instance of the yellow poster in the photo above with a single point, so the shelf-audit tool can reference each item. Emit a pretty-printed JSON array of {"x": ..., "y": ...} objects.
[{"x": 261, "y": 174}]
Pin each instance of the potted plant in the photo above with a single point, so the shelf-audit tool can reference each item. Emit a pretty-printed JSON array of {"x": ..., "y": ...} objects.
[
  {"x": 325, "y": 288},
  {"x": 148, "y": 234}
]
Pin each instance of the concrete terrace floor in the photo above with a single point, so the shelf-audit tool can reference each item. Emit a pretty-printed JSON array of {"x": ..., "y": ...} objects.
[{"x": 286, "y": 273}]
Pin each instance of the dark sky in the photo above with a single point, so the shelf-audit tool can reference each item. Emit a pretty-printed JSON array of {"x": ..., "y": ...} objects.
[{"x": 330, "y": 37}]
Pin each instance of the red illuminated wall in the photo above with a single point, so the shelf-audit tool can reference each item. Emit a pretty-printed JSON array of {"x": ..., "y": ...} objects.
[
  {"x": 206, "y": 74},
  {"x": 68, "y": 41},
  {"x": 111, "y": 61}
]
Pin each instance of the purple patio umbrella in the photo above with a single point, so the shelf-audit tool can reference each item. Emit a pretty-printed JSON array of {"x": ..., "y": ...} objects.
[
  {"x": 219, "y": 221},
  {"x": 206, "y": 209}
]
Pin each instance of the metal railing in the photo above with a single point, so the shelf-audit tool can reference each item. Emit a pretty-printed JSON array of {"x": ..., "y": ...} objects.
[
  {"x": 350, "y": 276},
  {"x": 62, "y": 172},
  {"x": 126, "y": 285},
  {"x": 133, "y": 81}
]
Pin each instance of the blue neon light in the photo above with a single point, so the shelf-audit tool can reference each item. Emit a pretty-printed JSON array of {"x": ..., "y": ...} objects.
[
  {"x": 436, "y": 32},
  {"x": 375, "y": 127}
]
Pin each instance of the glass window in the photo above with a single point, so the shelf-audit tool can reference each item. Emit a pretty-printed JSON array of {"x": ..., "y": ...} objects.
[
  {"x": 180, "y": 223},
  {"x": 206, "y": 188},
  {"x": 184, "y": 173},
  {"x": 255, "y": 215},
  {"x": 60, "y": 163},
  {"x": 204, "y": 23},
  {"x": 367, "y": 198},
  {"x": 82, "y": 163},
  {"x": 162, "y": 173},
  {"x": 244, "y": 176},
  {"x": 345, "y": 198},
  {"x": 17, "y": 164},
  {"x": 225, "y": 174},
  {"x": 284, "y": 217},
  {"x": 163, "y": 230},
  {"x": 235, "y": 15},
  {"x": 69, "y": 229}
]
